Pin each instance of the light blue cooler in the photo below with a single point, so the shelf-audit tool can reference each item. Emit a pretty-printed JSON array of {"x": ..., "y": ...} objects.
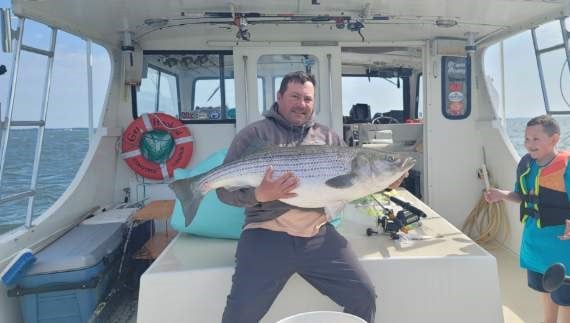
[{"x": 71, "y": 275}]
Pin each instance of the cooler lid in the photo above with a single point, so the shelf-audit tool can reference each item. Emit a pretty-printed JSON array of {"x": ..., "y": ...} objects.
[{"x": 82, "y": 247}]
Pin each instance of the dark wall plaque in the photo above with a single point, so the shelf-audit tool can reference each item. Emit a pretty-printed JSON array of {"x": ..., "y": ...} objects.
[{"x": 456, "y": 87}]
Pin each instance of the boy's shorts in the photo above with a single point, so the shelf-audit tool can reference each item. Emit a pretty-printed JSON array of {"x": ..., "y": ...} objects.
[{"x": 561, "y": 296}]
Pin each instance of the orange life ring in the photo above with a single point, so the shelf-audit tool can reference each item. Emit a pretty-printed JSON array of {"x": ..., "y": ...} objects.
[{"x": 131, "y": 142}]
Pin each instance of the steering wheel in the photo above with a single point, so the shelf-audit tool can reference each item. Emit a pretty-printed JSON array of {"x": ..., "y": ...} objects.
[{"x": 384, "y": 120}]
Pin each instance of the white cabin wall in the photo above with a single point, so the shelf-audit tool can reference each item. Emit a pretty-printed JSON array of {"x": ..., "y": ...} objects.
[
  {"x": 454, "y": 152},
  {"x": 501, "y": 156}
]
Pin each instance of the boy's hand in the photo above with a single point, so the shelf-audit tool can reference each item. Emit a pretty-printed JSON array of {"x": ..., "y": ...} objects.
[
  {"x": 493, "y": 195},
  {"x": 566, "y": 235}
]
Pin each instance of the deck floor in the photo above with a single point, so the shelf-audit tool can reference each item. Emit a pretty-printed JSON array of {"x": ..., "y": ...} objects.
[{"x": 520, "y": 303}]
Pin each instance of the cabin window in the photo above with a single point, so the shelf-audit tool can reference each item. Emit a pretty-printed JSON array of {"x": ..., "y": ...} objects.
[
  {"x": 188, "y": 85},
  {"x": 274, "y": 67},
  {"x": 373, "y": 98},
  {"x": 66, "y": 133},
  {"x": 207, "y": 93},
  {"x": 169, "y": 78},
  {"x": 513, "y": 80},
  {"x": 158, "y": 92}
]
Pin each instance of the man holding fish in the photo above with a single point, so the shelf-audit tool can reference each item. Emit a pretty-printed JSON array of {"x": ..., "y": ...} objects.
[{"x": 280, "y": 239}]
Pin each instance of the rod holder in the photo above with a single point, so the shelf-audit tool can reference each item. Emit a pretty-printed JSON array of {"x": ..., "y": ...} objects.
[{"x": 555, "y": 277}]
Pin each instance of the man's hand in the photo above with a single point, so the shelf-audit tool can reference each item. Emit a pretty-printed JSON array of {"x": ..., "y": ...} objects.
[
  {"x": 280, "y": 188},
  {"x": 399, "y": 181}
]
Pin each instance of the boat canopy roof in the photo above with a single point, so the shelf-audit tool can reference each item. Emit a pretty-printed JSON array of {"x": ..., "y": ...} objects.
[{"x": 309, "y": 20}]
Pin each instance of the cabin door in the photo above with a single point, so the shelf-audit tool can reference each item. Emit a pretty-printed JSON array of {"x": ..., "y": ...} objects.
[{"x": 259, "y": 71}]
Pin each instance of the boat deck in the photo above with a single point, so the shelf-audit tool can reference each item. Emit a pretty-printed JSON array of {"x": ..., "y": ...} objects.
[{"x": 520, "y": 303}]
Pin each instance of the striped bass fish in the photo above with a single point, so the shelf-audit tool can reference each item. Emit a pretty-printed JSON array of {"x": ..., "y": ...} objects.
[{"x": 329, "y": 176}]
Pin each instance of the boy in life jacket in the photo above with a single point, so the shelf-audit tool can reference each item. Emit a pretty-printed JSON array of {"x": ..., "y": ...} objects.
[{"x": 543, "y": 191}]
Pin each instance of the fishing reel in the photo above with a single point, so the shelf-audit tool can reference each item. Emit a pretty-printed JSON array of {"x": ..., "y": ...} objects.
[{"x": 393, "y": 223}]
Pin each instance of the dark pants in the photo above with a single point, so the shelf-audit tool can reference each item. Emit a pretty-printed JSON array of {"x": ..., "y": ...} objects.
[
  {"x": 265, "y": 260},
  {"x": 561, "y": 296}
]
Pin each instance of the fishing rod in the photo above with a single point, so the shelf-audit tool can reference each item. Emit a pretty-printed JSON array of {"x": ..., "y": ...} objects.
[
  {"x": 405, "y": 205},
  {"x": 242, "y": 19}
]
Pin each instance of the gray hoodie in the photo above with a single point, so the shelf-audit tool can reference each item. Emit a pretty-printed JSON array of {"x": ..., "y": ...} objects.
[{"x": 273, "y": 130}]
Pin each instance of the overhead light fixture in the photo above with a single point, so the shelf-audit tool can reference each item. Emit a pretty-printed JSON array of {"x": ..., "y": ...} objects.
[{"x": 446, "y": 23}]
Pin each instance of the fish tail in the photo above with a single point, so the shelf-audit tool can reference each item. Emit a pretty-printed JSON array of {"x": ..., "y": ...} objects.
[{"x": 188, "y": 193}]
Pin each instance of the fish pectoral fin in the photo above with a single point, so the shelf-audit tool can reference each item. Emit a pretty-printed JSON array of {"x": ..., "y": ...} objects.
[{"x": 342, "y": 181}]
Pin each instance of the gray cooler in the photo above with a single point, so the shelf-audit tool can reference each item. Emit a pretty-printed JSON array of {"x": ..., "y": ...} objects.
[{"x": 71, "y": 275}]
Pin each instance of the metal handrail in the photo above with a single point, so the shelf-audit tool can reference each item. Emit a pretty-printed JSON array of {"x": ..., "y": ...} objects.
[{"x": 15, "y": 197}]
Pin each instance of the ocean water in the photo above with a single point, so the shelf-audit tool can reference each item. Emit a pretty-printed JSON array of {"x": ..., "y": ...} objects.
[
  {"x": 62, "y": 154},
  {"x": 64, "y": 151}
]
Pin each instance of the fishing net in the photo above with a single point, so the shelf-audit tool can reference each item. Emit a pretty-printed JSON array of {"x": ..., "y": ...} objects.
[{"x": 157, "y": 146}]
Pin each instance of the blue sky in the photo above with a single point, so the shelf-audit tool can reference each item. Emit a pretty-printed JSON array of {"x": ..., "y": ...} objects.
[{"x": 68, "y": 106}]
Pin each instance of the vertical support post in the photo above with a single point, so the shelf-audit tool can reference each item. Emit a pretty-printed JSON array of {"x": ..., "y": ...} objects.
[
  {"x": 11, "y": 96},
  {"x": 540, "y": 71},
  {"x": 89, "y": 59},
  {"x": 41, "y": 129}
]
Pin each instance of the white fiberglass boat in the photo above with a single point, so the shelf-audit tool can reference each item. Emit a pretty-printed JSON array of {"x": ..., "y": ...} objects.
[{"x": 423, "y": 78}]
